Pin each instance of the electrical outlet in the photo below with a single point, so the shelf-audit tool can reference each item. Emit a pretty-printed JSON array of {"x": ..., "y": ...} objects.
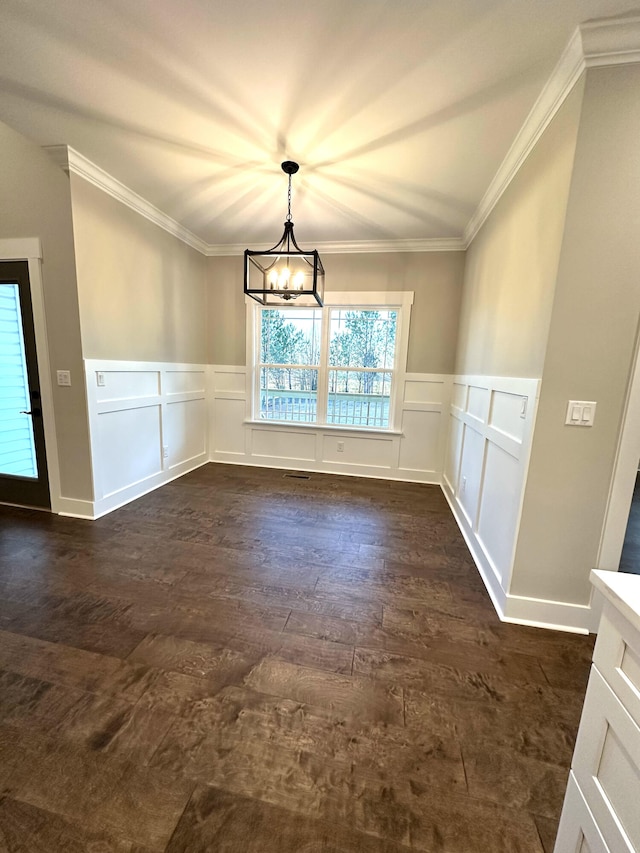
[
  {"x": 165, "y": 451},
  {"x": 341, "y": 447},
  {"x": 100, "y": 379}
]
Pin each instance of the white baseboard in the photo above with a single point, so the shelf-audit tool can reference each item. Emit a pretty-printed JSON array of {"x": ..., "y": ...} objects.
[
  {"x": 92, "y": 510},
  {"x": 137, "y": 490},
  {"x": 426, "y": 478},
  {"x": 72, "y": 507},
  {"x": 520, "y": 610}
]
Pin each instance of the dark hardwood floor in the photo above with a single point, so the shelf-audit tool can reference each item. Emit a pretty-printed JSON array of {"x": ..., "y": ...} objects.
[{"x": 242, "y": 662}]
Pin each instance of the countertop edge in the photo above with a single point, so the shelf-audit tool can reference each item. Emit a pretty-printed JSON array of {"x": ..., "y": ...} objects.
[{"x": 622, "y": 590}]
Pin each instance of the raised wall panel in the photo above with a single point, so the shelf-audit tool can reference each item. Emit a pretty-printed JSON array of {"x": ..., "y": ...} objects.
[
  {"x": 184, "y": 429},
  {"x": 484, "y": 478},
  {"x": 414, "y": 452},
  {"x": 499, "y": 507},
  {"x": 358, "y": 450},
  {"x": 142, "y": 408},
  {"x": 127, "y": 384},
  {"x": 129, "y": 441},
  {"x": 478, "y": 402},
  {"x": 229, "y": 381},
  {"x": 284, "y": 445},
  {"x": 459, "y": 395},
  {"x": 454, "y": 449},
  {"x": 470, "y": 472},
  {"x": 423, "y": 392},
  {"x": 506, "y": 412},
  {"x": 419, "y": 449},
  {"x": 183, "y": 381},
  {"x": 228, "y": 432}
]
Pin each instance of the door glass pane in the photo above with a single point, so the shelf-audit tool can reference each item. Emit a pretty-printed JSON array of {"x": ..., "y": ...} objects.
[
  {"x": 17, "y": 447},
  {"x": 359, "y": 398},
  {"x": 288, "y": 394}
]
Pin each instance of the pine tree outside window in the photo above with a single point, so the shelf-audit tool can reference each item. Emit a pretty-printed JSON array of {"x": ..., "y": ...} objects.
[{"x": 333, "y": 366}]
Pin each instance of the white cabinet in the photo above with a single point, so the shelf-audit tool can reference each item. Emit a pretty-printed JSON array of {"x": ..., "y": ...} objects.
[{"x": 601, "y": 812}]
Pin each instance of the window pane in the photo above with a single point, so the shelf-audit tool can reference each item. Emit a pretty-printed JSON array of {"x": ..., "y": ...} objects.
[
  {"x": 358, "y": 398},
  {"x": 288, "y": 394},
  {"x": 290, "y": 337},
  {"x": 362, "y": 338},
  {"x": 17, "y": 446}
]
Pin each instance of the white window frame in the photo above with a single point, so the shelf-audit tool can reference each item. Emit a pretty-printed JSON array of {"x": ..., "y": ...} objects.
[{"x": 400, "y": 300}]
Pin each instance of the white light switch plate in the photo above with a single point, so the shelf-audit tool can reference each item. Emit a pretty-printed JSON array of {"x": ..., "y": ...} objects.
[
  {"x": 64, "y": 377},
  {"x": 580, "y": 413}
]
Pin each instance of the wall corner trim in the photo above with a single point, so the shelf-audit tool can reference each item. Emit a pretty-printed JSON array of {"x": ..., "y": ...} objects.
[{"x": 598, "y": 43}]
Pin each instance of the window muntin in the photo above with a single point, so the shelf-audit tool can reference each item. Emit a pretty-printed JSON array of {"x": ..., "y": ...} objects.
[{"x": 331, "y": 365}]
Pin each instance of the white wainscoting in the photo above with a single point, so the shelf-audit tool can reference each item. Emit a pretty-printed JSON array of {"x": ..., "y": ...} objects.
[
  {"x": 485, "y": 470},
  {"x": 490, "y": 429},
  {"x": 413, "y": 452},
  {"x": 148, "y": 425}
]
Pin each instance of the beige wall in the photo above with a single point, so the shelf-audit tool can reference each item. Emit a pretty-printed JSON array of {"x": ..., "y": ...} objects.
[
  {"x": 142, "y": 292},
  {"x": 435, "y": 278},
  {"x": 590, "y": 349},
  {"x": 35, "y": 202},
  {"x": 512, "y": 263},
  {"x": 226, "y": 311}
]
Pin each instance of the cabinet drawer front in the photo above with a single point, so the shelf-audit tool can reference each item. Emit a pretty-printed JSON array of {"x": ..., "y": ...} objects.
[
  {"x": 606, "y": 765},
  {"x": 578, "y": 832},
  {"x": 617, "y": 656}
]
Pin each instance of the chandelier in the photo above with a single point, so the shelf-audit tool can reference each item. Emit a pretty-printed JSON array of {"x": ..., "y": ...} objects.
[{"x": 285, "y": 272}]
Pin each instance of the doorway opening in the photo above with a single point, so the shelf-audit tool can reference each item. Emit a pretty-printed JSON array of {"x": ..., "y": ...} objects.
[
  {"x": 23, "y": 460},
  {"x": 630, "y": 557}
]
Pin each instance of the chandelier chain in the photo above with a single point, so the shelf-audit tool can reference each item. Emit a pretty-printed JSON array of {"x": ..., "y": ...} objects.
[{"x": 289, "y": 201}]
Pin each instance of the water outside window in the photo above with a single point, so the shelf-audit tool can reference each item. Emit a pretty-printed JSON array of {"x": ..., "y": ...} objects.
[{"x": 17, "y": 447}]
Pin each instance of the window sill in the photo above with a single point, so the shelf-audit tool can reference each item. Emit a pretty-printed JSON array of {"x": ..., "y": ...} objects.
[{"x": 323, "y": 427}]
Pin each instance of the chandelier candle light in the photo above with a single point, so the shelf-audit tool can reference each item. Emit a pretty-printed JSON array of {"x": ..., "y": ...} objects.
[{"x": 285, "y": 272}]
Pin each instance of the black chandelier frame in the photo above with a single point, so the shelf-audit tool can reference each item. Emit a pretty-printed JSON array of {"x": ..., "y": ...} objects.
[{"x": 261, "y": 281}]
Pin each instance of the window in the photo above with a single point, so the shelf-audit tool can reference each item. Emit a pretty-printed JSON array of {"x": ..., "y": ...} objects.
[{"x": 336, "y": 365}]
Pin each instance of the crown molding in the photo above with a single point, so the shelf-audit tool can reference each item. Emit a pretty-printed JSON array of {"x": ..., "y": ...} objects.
[
  {"x": 611, "y": 41},
  {"x": 564, "y": 77},
  {"x": 73, "y": 162},
  {"x": 594, "y": 44},
  {"x": 598, "y": 43},
  {"x": 440, "y": 244}
]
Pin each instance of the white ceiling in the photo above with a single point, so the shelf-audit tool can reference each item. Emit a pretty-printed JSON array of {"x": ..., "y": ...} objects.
[{"x": 399, "y": 111}]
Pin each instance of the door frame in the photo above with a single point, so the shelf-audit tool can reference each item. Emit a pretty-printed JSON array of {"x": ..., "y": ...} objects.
[
  {"x": 625, "y": 470},
  {"x": 30, "y": 249}
]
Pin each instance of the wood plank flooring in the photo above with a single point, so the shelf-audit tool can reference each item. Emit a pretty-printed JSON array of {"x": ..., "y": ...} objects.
[{"x": 243, "y": 662}]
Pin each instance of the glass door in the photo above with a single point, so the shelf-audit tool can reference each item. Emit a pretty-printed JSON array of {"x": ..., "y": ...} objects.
[{"x": 23, "y": 467}]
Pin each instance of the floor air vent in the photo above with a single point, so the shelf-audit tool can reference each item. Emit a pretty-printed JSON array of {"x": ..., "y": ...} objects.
[{"x": 297, "y": 476}]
